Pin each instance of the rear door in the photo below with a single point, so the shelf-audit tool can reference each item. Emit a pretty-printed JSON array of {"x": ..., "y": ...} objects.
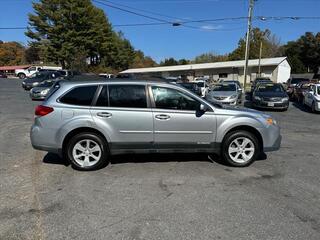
[
  {"x": 178, "y": 124},
  {"x": 122, "y": 112}
]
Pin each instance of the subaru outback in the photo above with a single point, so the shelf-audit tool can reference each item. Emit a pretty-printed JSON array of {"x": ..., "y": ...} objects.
[{"x": 88, "y": 121}]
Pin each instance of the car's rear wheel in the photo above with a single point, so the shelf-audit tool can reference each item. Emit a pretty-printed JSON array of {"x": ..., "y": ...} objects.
[
  {"x": 87, "y": 151},
  {"x": 21, "y": 75},
  {"x": 240, "y": 148}
]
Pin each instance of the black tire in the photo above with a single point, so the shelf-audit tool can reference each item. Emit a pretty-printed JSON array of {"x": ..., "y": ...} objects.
[
  {"x": 313, "y": 107},
  {"x": 21, "y": 75},
  {"x": 102, "y": 162},
  {"x": 229, "y": 138}
]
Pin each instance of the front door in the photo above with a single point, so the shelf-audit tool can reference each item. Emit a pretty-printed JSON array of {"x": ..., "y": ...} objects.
[
  {"x": 178, "y": 123},
  {"x": 121, "y": 111}
]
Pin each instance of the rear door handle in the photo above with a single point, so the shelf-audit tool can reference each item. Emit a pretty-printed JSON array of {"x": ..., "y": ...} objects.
[
  {"x": 104, "y": 114},
  {"x": 162, "y": 117}
]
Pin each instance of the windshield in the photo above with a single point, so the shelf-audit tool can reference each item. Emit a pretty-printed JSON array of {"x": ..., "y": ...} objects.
[
  {"x": 189, "y": 86},
  {"x": 318, "y": 90},
  {"x": 224, "y": 87},
  {"x": 200, "y": 84},
  {"x": 270, "y": 88},
  {"x": 37, "y": 75},
  {"x": 46, "y": 84}
]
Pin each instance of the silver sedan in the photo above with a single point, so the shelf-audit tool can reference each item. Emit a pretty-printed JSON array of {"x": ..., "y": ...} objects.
[{"x": 224, "y": 93}]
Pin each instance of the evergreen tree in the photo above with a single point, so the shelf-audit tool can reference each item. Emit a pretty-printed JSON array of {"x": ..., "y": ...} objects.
[{"x": 71, "y": 30}]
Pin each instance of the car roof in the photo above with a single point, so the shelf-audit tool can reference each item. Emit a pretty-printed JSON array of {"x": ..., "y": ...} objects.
[{"x": 98, "y": 80}]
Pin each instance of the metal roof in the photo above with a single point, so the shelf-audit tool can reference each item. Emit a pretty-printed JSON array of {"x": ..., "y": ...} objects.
[
  {"x": 229, "y": 64},
  {"x": 11, "y": 68}
]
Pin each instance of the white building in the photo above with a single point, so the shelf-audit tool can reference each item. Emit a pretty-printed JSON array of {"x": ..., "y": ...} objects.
[{"x": 278, "y": 69}]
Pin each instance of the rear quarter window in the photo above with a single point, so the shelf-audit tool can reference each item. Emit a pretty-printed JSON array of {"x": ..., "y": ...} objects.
[{"x": 81, "y": 96}]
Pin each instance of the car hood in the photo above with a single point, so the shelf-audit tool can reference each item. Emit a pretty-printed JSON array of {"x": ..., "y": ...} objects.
[
  {"x": 241, "y": 111},
  {"x": 271, "y": 94},
  {"x": 222, "y": 93},
  {"x": 38, "y": 89}
]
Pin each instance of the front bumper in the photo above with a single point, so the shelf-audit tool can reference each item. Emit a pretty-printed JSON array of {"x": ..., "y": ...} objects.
[
  {"x": 27, "y": 86},
  {"x": 36, "y": 96},
  {"x": 275, "y": 146},
  {"x": 224, "y": 101},
  {"x": 270, "y": 105},
  {"x": 271, "y": 138}
]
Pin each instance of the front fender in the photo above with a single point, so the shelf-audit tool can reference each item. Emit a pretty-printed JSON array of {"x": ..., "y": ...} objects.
[{"x": 225, "y": 124}]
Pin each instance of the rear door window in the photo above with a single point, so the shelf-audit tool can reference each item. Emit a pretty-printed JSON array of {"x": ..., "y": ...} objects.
[
  {"x": 127, "y": 96},
  {"x": 82, "y": 96},
  {"x": 103, "y": 99}
]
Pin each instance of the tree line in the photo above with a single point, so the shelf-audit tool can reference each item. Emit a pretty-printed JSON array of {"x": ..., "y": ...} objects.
[{"x": 78, "y": 35}]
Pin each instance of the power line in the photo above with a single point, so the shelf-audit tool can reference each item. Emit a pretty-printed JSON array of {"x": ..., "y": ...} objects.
[
  {"x": 173, "y": 23},
  {"x": 258, "y": 18},
  {"x": 132, "y": 12}
]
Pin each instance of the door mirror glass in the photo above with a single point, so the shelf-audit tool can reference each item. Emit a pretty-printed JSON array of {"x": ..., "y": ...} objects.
[{"x": 203, "y": 108}]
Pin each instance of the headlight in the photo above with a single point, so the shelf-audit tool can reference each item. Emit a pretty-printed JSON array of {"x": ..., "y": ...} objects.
[
  {"x": 285, "y": 99},
  {"x": 35, "y": 84},
  {"x": 271, "y": 121},
  {"x": 234, "y": 96},
  {"x": 44, "y": 92},
  {"x": 267, "y": 120},
  {"x": 257, "y": 98}
]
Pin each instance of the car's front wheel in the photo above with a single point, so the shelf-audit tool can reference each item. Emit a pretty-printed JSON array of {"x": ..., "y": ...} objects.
[
  {"x": 87, "y": 151},
  {"x": 240, "y": 148},
  {"x": 313, "y": 107}
]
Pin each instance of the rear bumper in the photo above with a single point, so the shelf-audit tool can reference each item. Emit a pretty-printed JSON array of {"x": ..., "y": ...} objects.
[{"x": 40, "y": 140}]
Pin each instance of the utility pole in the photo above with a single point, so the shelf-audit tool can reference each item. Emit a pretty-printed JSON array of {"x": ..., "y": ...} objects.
[
  {"x": 251, "y": 3},
  {"x": 260, "y": 55}
]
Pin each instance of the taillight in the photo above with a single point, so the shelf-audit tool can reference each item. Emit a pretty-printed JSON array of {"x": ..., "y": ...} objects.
[{"x": 41, "y": 111}]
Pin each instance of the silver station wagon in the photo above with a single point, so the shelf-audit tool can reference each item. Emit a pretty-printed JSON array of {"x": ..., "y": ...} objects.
[{"x": 87, "y": 121}]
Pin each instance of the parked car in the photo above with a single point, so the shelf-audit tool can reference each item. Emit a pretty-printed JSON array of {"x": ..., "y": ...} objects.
[
  {"x": 292, "y": 82},
  {"x": 270, "y": 95},
  {"x": 39, "y": 77},
  {"x": 259, "y": 80},
  {"x": 300, "y": 90},
  {"x": 312, "y": 98},
  {"x": 2, "y": 75},
  {"x": 237, "y": 83},
  {"x": 87, "y": 121},
  {"x": 64, "y": 73},
  {"x": 191, "y": 86},
  {"x": 204, "y": 87},
  {"x": 41, "y": 91},
  {"x": 224, "y": 93},
  {"x": 23, "y": 73}
]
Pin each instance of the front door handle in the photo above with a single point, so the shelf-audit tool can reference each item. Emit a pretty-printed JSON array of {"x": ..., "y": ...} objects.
[
  {"x": 104, "y": 114},
  {"x": 162, "y": 117}
]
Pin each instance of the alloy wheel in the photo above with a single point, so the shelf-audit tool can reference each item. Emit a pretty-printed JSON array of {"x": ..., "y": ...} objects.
[
  {"x": 86, "y": 152},
  {"x": 241, "y": 150}
]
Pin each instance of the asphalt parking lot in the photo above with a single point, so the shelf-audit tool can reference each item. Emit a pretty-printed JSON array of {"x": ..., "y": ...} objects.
[{"x": 157, "y": 196}]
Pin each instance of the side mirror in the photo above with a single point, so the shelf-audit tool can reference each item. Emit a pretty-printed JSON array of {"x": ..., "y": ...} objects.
[{"x": 203, "y": 108}]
